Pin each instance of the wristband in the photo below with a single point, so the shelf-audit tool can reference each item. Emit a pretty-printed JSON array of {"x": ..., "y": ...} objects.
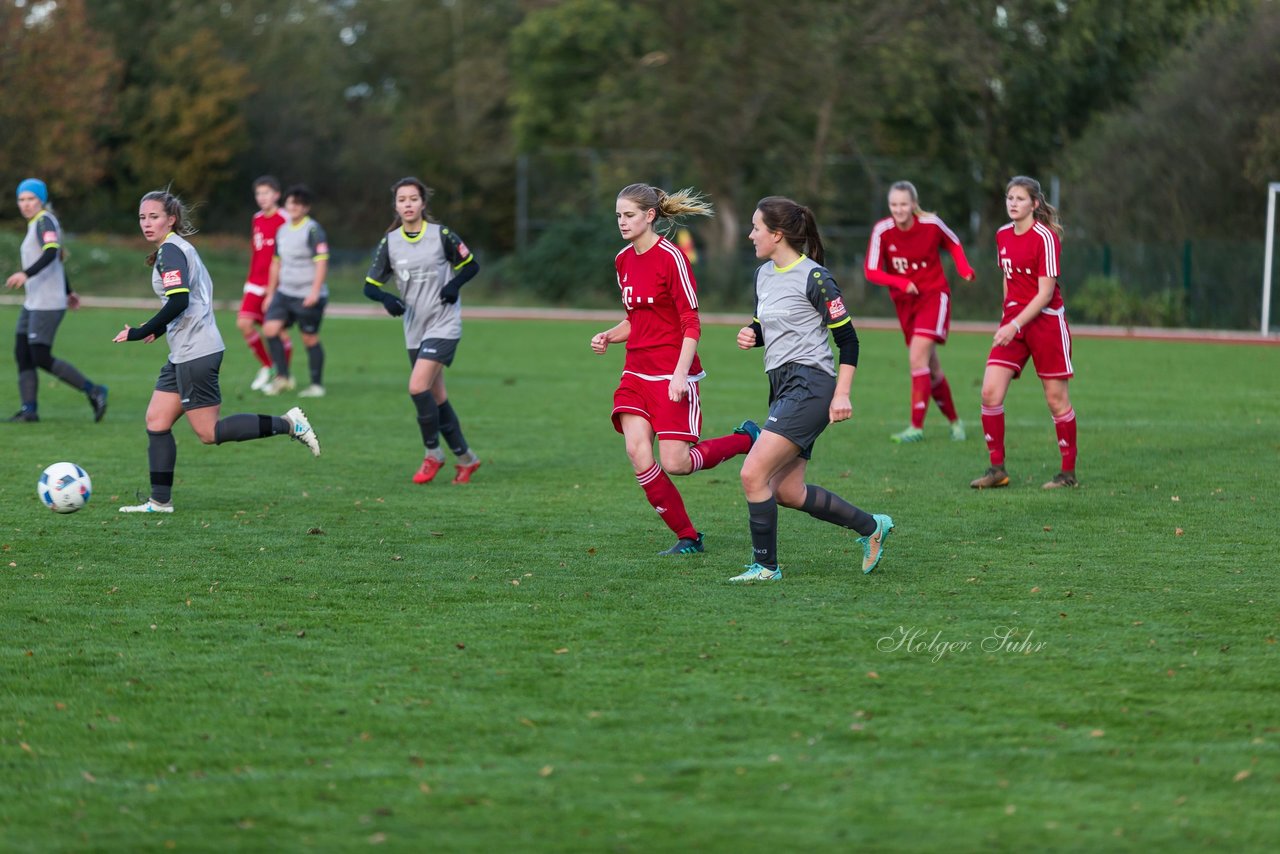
[{"x": 1016, "y": 325}]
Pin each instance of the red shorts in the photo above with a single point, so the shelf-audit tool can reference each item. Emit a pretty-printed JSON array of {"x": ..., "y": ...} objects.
[
  {"x": 251, "y": 303},
  {"x": 649, "y": 400},
  {"x": 927, "y": 314},
  {"x": 1045, "y": 340}
]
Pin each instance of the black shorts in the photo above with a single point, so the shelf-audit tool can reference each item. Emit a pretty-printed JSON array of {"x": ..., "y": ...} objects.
[
  {"x": 290, "y": 310},
  {"x": 38, "y": 326},
  {"x": 799, "y": 404},
  {"x": 440, "y": 350},
  {"x": 195, "y": 382}
]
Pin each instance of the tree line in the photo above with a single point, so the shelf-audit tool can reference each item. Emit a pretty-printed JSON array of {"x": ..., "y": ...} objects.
[{"x": 1159, "y": 117}]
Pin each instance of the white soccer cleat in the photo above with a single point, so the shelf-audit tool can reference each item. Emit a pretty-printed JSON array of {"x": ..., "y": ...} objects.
[
  {"x": 313, "y": 390},
  {"x": 277, "y": 385},
  {"x": 262, "y": 379},
  {"x": 148, "y": 506},
  {"x": 300, "y": 429}
]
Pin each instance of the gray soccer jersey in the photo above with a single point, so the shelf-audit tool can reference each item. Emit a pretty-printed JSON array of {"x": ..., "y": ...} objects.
[
  {"x": 796, "y": 306},
  {"x": 299, "y": 246},
  {"x": 194, "y": 333},
  {"x": 46, "y": 290},
  {"x": 422, "y": 266}
]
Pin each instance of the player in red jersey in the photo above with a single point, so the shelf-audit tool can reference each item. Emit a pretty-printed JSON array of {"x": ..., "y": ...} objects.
[
  {"x": 266, "y": 222},
  {"x": 1033, "y": 325},
  {"x": 905, "y": 256},
  {"x": 657, "y": 396}
]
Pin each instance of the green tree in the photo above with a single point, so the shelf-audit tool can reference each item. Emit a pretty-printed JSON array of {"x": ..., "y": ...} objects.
[
  {"x": 186, "y": 127},
  {"x": 1191, "y": 156},
  {"x": 58, "y": 85}
]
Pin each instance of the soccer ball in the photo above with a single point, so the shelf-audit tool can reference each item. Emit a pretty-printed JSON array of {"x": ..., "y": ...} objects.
[{"x": 64, "y": 487}]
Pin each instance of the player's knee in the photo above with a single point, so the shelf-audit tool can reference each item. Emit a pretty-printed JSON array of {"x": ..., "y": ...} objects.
[
  {"x": 788, "y": 496},
  {"x": 245, "y": 325},
  {"x": 42, "y": 356},
  {"x": 992, "y": 395},
  {"x": 677, "y": 463}
]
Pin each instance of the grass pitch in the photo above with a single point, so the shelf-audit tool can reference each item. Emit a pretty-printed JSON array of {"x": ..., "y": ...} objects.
[{"x": 317, "y": 654}]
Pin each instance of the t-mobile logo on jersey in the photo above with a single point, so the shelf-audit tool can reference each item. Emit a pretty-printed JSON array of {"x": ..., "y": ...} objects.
[
  {"x": 900, "y": 264},
  {"x": 630, "y": 301}
]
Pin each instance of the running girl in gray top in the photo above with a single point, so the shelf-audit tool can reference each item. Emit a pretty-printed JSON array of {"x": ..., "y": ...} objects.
[
  {"x": 797, "y": 305},
  {"x": 188, "y": 383},
  {"x": 48, "y": 296},
  {"x": 425, "y": 265}
]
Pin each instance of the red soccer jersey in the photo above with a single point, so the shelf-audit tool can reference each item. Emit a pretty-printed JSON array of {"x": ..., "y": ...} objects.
[
  {"x": 1024, "y": 258},
  {"x": 264, "y": 246},
  {"x": 897, "y": 258},
  {"x": 661, "y": 299}
]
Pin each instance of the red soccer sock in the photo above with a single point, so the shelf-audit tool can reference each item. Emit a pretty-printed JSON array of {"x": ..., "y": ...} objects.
[
  {"x": 942, "y": 394},
  {"x": 919, "y": 397},
  {"x": 259, "y": 349},
  {"x": 710, "y": 453},
  {"x": 1065, "y": 426},
  {"x": 993, "y": 432},
  {"x": 665, "y": 498}
]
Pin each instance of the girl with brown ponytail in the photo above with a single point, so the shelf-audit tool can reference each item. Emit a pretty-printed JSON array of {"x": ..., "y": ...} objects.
[{"x": 797, "y": 304}]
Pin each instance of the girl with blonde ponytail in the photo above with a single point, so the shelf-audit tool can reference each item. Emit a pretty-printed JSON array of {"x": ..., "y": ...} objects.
[
  {"x": 904, "y": 255},
  {"x": 658, "y": 396}
]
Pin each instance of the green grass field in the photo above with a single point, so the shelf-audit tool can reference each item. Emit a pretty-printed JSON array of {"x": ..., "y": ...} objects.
[{"x": 319, "y": 655}]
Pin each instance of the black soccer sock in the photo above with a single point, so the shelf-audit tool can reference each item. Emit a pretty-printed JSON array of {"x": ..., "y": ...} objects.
[
  {"x": 428, "y": 419},
  {"x": 162, "y": 456},
  {"x": 28, "y": 385},
  {"x": 275, "y": 346},
  {"x": 315, "y": 360},
  {"x": 68, "y": 373},
  {"x": 451, "y": 429},
  {"x": 764, "y": 531},
  {"x": 829, "y": 507},
  {"x": 243, "y": 427}
]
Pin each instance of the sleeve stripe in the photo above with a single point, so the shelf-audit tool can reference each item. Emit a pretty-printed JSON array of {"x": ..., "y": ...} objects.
[
  {"x": 468, "y": 260},
  {"x": 1050, "y": 249},
  {"x": 840, "y": 323},
  {"x": 324, "y": 257},
  {"x": 942, "y": 226},
  {"x": 374, "y": 281},
  {"x": 173, "y": 291},
  {"x": 682, "y": 267},
  {"x": 873, "y": 250},
  {"x": 53, "y": 245}
]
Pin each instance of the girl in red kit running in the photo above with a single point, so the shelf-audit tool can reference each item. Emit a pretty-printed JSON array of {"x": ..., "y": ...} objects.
[
  {"x": 904, "y": 255},
  {"x": 1033, "y": 325},
  {"x": 657, "y": 396}
]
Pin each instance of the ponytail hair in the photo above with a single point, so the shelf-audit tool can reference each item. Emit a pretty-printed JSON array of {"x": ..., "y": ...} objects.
[
  {"x": 671, "y": 207},
  {"x": 174, "y": 207},
  {"x": 796, "y": 224},
  {"x": 423, "y": 190},
  {"x": 910, "y": 189},
  {"x": 1042, "y": 211}
]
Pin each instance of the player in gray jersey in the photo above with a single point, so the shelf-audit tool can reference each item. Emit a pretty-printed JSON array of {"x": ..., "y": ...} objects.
[
  {"x": 428, "y": 264},
  {"x": 188, "y": 383},
  {"x": 797, "y": 305},
  {"x": 48, "y": 296},
  {"x": 297, "y": 292}
]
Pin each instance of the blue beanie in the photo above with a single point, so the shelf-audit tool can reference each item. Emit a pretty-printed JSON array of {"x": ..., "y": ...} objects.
[{"x": 36, "y": 187}]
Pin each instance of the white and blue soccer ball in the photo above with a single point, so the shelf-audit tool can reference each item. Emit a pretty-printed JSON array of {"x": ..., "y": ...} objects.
[{"x": 64, "y": 487}]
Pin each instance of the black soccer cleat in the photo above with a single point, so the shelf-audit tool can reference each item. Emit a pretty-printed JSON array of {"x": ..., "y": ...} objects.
[
  {"x": 98, "y": 400},
  {"x": 685, "y": 546}
]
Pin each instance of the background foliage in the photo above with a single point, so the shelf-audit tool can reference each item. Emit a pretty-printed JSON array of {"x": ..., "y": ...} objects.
[{"x": 1159, "y": 117}]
